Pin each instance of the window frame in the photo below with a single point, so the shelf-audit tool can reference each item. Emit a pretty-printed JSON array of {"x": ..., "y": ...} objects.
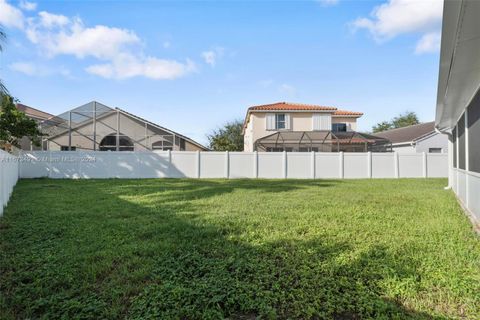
[{"x": 277, "y": 121}]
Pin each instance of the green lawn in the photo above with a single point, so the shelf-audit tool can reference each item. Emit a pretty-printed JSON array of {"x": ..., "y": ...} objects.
[{"x": 238, "y": 249}]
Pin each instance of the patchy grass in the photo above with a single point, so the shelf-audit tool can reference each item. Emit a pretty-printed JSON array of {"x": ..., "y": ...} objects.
[{"x": 237, "y": 249}]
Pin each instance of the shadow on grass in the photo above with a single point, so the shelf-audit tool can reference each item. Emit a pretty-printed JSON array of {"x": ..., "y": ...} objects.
[{"x": 127, "y": 260}]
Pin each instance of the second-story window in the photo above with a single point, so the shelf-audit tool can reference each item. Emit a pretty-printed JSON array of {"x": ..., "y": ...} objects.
[
  {"x": 280, "y": 121},
  {"x": 339, "y": 127}
]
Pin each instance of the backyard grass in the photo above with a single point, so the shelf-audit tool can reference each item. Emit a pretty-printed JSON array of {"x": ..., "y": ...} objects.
[{"x": 238, "y": 249}]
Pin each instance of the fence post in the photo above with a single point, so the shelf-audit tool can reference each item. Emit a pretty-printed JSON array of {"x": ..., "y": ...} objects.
[
  {"x": 424, "y": 161},
  {"x": 198, "y": 164},
  {"x": 285, "y": 174},
  {"x": 397, "y": 165},
  {"x": 341, "y": 159},
  {"x": 312, "y": 164},
  {"x": 255, "y": 164},
  {"x": 369, "y": 164},
  {"x": 169, "y": 169},
  {"x": 227, "y": 164}
]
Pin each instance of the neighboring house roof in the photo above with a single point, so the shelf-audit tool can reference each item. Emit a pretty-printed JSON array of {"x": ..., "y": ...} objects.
[
  {"x": 408, "y": 134},
  {"x": 289, "y": 106},
  {"x": 34, "y": 113}
]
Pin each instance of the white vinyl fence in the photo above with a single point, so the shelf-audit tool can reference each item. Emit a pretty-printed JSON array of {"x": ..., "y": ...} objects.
[
  {"x": 271, "y": 165},
  {"x": 8, "y": 177}
]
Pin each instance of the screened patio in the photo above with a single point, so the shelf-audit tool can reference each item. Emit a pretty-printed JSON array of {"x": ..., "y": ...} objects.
[{"x": 322, "y": 141}]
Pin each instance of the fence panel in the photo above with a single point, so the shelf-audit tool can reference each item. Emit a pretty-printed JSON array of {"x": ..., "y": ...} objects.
[
  {"x": 410, "y": 165},
  {"x": 271, "y": 165},
  {"x": 299, "y": 165},
  {"x": 242, "y": 165},
  {"x": 383, "y": 165},
  {"x": 213, "y": 164},
  {"x": 327, "y": 165},
  {"x": 8, "y": 177},
  {"x": 437, "y": 165},
  {"x": 355, "y": 165}
]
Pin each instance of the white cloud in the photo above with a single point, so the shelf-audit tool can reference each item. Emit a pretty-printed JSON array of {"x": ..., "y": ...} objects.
[
  {"x": 119, "y": 51},
  {"x": 10, "y": 16},
  {"x": 127, "y": 66},
  {"x": 50, "y": 20},
  {"x": 397, "y": 17},
  {"x": 71, "y": 37},
  {"x": 27, "y": 6},
  {"x": 287, "y": 89},
  {"x": 428, "y": 43},
  {"x": 210, "y": 57},
  {"x": 328, "y": 3},
  {"x": 31, "y": 69}
]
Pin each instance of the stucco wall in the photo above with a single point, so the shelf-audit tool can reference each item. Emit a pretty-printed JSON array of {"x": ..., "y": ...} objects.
[{"x": 437, "y": 140}]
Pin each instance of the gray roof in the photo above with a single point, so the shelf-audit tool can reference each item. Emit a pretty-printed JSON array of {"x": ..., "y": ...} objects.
[{"x": 408, "y": 134}]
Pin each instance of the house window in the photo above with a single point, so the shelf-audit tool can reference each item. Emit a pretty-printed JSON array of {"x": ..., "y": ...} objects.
[
  {"x": 280, "y": 121},
  {"x": 339, "y": 127},
  {"x": 65, "y": 148},
  {"x": 434, "y": 150},
  {"x": 109, "y": 143},
  {"x": 162, "y": 145}
]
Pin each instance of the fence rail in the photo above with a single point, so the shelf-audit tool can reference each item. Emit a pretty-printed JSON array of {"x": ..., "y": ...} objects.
[
  {"x": 8, "y": 177},
  {"x": 270, "y": 165}
]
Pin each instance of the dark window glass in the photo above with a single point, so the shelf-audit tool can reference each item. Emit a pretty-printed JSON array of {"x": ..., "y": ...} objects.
[
  {"x": 474, "y": 135},
  {"x": 109, "y": 143},
  {"x": 461, "y": 142},
  {"x": 339, "y": 127},
  {"x": 454, "y": 141},
  {"x": 65, "y": 148},
  {"x": 434, "y": 150}
]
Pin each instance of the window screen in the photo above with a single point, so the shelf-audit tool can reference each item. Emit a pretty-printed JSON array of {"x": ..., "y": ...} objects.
[
  {"x": 461, "y": 142},
  {"x": 454, "y": 141},
  {"x": 474, "y": 135}
]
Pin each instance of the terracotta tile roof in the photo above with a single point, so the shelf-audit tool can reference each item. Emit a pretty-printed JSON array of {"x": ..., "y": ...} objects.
[
  {"x": 347, "y": 113},
  {"x": 291, "y": 106}
]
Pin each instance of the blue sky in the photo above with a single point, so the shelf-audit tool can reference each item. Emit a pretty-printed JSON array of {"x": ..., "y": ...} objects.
[{"x": 193, "y": 65}]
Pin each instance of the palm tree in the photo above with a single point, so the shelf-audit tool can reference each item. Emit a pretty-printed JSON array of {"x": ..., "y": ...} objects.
[{"x": 3, "y": 37}]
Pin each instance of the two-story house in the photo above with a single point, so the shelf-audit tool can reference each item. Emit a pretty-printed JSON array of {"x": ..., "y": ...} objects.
[{"x": 286, "y": 126}]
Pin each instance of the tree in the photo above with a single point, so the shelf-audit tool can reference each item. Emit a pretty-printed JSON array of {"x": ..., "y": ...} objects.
[
  {"x": 14, "y": 124},
  {"x": 382, "y": 126},
  {"x": 406, "y": 119},
  {"x": 403, "y": 120},
  {"x": 227, "y": 138}
]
